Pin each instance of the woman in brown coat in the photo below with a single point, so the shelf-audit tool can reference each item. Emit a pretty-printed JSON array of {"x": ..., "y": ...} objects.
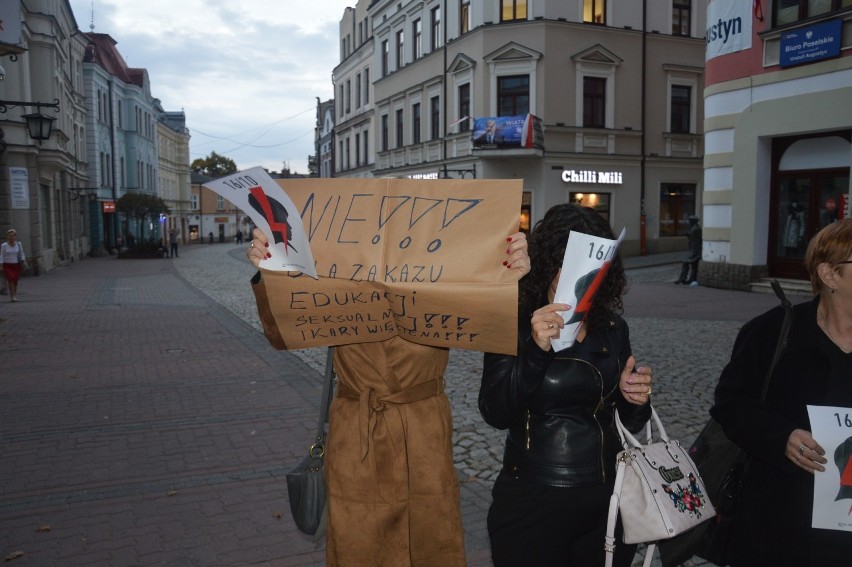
[{"x": 393, "y": 493}]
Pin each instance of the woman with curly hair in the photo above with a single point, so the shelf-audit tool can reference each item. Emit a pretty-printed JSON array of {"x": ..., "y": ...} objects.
[{"x": 551, "y": 498}]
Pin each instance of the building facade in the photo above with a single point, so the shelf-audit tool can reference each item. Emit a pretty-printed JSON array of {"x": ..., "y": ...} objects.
[
  {"x": 601, "y": 99},
  {"x": 43, "y": 183},
  {"x": 353, "y": 120},
  {"x": 174, "y": 183},
  {"x": 778, "y": 132},
  {"x": 121, "y": 141},
  {"x": 324, "y": 139}
]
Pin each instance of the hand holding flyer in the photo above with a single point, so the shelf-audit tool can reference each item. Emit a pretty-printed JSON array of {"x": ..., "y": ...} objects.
[
  {"x": 584, "y": 266},
  {"x": 832, "y": 507},
  {"x": 258, "y": 195}
]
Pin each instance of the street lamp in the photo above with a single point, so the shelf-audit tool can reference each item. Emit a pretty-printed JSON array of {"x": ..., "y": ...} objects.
[
  {"x": 39, "y": 126},
  {"x": 76, "y": 192}
]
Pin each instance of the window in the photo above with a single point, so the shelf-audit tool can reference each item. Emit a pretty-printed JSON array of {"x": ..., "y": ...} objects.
[
  {"x": 513, "y": 95},
  {"x": 789, "y": 11},
  {"x": 435, "y": 116},
  {"x": 681, "y": 105},
  {"x": 417, "y": 35},
  {"x": 193, "y": 201},
  {"x": 346, "y": 153},
  {"x": 600, "y": 202},
  {"x": 677, "y": 203},
  {"x": 594, "y": 102},
  {"x": 340, "y": 157},
  {"x": 385, "y": 54},
  {"x": 464, "y": 17},
  {"x": 464, "y": 107},
  {"x": 358, "y": 90},
  {"x": 348, "y": 95},
  {"x": 357, "y": 149},
  {"x": 400, "y": 49},
  {"x": 399, "y": 128},
  {"x": 681, "y": 16},
  {"x": 415, "y": 123},
  {"x": 594, "y": 11},
  {"x": 366, "y": 85},
  {"x": 342, "y": 100},
  {"x": 220, "y": 203},
  {"x": 513, "y": 10},
  {"x": 385, "y": 143},
  {"x": 366, "y": 147},
  {"x": 436, "y": 27}
]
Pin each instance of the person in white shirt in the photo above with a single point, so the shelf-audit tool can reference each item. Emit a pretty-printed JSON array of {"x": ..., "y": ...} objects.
[{"x": 13, "y": 258}]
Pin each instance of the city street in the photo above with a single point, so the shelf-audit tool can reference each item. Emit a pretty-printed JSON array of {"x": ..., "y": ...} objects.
[{"x": 146, "y": 421}]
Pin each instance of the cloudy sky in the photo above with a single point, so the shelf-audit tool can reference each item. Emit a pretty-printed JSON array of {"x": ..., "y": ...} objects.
[{"x": 246, "y": 73}]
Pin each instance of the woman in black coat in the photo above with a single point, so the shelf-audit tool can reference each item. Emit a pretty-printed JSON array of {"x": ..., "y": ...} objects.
[
  {"x": 773, "y": 522},
  {"x": 551, "y": 498}
]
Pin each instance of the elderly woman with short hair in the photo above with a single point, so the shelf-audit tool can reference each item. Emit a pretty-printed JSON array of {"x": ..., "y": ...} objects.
[{"x": 773, "y": 523}]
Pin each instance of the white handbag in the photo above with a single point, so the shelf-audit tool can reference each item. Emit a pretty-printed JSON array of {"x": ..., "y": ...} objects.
[{"x": 658, "y": 491}]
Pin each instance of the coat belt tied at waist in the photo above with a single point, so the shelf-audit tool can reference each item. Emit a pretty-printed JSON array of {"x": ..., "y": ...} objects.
[{"x": 372, "y": 405}]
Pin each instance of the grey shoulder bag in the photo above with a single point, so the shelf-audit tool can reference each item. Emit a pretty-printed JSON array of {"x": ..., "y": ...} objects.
[{"x": 305, "y": 482}]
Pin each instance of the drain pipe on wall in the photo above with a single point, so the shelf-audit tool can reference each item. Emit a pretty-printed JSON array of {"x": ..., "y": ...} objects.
[{"x": 643, "y": 245}]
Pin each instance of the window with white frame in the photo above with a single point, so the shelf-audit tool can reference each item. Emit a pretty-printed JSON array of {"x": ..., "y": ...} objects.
[
  {"x": 415, "y": 123},
  {"x": 464, "y": 17},
  {"x": 681, "y": 109},
  {"x": 511, "y": 10},
  {"x": 682, "y": 112},
  {"x": 513, "y": 95},
  {"x": 435, "y": 117},
  {"x": 464, "y": 107},
  {"x": 385, "y": 55},
  {"x": 681, "y": 17},
  {"x": 400, "y": 128},
  {"x": 400, "y": 49},
  {"x": 435, "y": 25},
  {"x": 417, "y": 39},
  {"x": 594, "y": 11},
  {"x": 791, "y": 11}
]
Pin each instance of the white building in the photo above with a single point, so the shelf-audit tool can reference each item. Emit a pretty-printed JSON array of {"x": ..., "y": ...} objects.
[
  {"x": 599, "y": 109},
  {"x": 42, "y": 183}
]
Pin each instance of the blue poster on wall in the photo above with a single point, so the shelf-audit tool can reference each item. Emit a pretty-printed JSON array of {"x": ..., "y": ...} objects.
[
  {"x": 522, "y": 131},
  {"x": 811, "y": 43}
]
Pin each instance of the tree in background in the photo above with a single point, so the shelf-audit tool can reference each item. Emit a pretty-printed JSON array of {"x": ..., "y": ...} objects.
[
  {"x": 141, "y": 206},
  {"x": 214, "y": 165}
]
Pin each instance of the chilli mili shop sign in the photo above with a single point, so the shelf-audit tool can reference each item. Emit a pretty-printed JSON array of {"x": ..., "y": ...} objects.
[{"x": 589, "y": 176}]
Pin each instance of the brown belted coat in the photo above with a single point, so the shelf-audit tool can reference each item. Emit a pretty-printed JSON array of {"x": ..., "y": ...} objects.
[{"x": 393, "y": 493}]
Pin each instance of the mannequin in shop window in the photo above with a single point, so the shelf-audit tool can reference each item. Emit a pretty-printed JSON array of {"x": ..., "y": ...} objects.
[{"x": 794, "y": 229}]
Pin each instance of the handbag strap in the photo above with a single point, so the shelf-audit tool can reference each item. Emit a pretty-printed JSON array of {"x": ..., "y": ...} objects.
[
  {"x": 782, "y": 337},
  {"x": 325, "y": 402},
  {"x": 626, "y": 436},
  {"x": 612, "y": 516}
]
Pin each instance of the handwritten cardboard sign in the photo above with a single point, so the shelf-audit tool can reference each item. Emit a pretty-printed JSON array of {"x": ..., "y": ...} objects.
[
  {"x": 584, "y": 266},
  {"x": 415, "y": 258}
]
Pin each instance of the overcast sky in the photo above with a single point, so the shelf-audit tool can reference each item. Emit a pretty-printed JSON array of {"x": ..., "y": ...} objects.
[{"x": 247, "y": 74}]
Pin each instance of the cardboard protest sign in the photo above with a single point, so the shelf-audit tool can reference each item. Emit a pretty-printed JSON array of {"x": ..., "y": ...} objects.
[
  {"x": 415, "y": 258},
  {"x": 832, "y": 429},
  {"x": 255, "y": 193},
  {"x": 584, "y": 265}
]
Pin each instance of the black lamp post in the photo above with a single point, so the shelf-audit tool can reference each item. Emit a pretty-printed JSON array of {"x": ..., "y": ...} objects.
[{"x": 39, "y": 126}]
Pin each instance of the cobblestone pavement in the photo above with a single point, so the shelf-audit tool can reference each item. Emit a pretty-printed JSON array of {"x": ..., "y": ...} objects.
[{"x": 685, "y": 341}]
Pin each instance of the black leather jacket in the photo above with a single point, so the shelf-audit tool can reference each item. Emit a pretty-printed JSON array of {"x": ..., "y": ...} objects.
[{"x": 559, "y": 407}]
